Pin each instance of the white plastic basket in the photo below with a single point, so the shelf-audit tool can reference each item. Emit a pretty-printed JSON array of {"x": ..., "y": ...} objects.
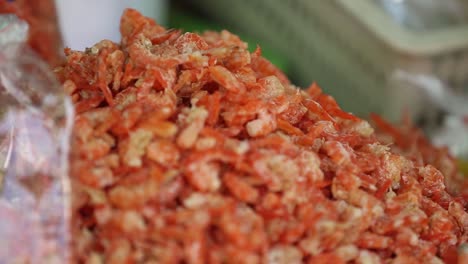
[
  {"x": 351, "y": 48},
  {"x": 85, "y": 22}
]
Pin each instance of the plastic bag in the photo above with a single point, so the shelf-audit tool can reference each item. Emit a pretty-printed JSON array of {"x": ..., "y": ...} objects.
[
  {"x": 453, "y": 130},
  {"x": 44, "y": 35},
  {"x": 35, "y": 125}
]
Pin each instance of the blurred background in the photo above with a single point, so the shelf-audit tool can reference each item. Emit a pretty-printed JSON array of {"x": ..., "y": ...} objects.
[{"x": 383, "y": 56}]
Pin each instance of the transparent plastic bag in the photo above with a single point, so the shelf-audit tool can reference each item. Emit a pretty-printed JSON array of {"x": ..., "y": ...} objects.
[
  {"x": 453, "y": 130},
  {"x": 35, "y": 125},
  {"x": 44, "y": 35}
]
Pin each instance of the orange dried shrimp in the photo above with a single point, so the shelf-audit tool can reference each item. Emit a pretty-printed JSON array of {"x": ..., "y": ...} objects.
[{"x": 190, "y": 149}]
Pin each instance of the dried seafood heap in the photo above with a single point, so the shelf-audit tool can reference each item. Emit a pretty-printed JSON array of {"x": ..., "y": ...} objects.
[
  {"x": 410, "y": 141},
  {"x": 190, "y": 149}
]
